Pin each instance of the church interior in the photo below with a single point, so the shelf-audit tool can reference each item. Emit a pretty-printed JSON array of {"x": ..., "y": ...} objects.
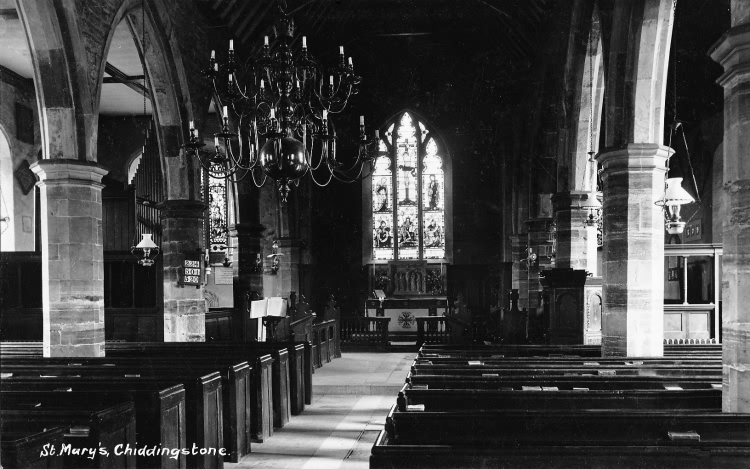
[{"x": 374, "y": 234}]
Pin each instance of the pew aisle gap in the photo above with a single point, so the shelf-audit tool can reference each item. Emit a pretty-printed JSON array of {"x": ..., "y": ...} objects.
[{"x": 351, "y": 398}]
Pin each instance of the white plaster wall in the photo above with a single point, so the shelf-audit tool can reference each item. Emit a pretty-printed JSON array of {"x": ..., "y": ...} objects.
[{"x": 23, "y": 205}]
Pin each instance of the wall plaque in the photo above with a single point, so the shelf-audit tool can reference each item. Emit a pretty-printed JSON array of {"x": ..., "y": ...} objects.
[
  {"x": 25, "y": 177},
  {"x": 223, "y": 276}
]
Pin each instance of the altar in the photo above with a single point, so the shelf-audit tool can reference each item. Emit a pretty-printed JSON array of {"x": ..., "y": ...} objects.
[{"x": 404, "y": 311}]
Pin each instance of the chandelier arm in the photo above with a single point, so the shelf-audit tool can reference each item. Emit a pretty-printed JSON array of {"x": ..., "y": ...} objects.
[
  {"x": 312, "y": 176},
  {"x": 323, "y": 157},
  {"x": 348, "y": 177}
]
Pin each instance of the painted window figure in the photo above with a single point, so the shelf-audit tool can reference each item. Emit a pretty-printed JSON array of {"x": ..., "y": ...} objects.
[
  {"x": 433, "y": 193},
  {"x": 381, "y": 196},
  {"x": 383, "y": 236}
]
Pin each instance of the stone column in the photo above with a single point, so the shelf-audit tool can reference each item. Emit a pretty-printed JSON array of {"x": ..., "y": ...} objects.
[
  {"x": 248, "y": 273},
  {"x": 184, "y": 307},
  {"x": 519, "y": 273},
  {"x": 570, "y": 218},
  {"x": 732, "y": 52},
  {"x": 633, "y": 286},
  {"x": 72, "y": 257}
]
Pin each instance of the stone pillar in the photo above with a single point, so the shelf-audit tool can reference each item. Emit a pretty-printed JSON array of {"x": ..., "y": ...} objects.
[
  {"x": 248, "y": 272},
  {"x": 72, "y": 257},
  {"x": 570, "y": 218},
  {"x": 184, "y": 307},
  {"x": 732, "y": 52},
  {"x": 633, "y": 286},
  {"x": 519, "y": 273}
]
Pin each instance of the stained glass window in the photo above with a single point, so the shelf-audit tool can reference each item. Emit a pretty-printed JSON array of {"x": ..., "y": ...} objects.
[
  {"x": 217, "y": 216},
  {"x": 382, "y": 207},
  {"x": 408, "y": 194},
  {"x": 433, "y": 202}
]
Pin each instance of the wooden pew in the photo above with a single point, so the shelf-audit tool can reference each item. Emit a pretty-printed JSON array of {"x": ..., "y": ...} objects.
[
  {"x": 563, "y": 370},
  {"x": 585, "y": 380},
  {"x": 497, "y": 428},
  {"x": 160, "y": 411},
  {"x": 292, "y": 371},
  {"x": 264, "y": 366},
  {"x": 236, "y": 384},
  {"x": 91, "y": 424},
  {"x": 516, "y": 350},
  {"x": 552, "y": 398},
  {"x": 669, "y": 455},
  {"x": 202, "y": 409},
  {"x": 23, "y": 445}
]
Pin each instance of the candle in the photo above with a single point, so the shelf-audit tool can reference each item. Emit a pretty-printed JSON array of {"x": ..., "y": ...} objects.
[
  {"x": 377, "y": 134},
  {"x": 273, "y": 114},
  {"x": 262, "y": 84},
  {"x": 304, "y": 42},
  {"x": 265, "y": 41},
  {"x": 216, "y": 142},
  {"x": 325, "y": 114},
  {"x": 298, "y": 87},
  {"x": 216, "y": 67},
  {"x": 213, "y": 54},
  {"x": 341, "y": 50},
  {"x": 350, "y": 62},
  {"x": 225, "y": 112},
  {"x": 361, "y": 120},
  {"x": 330, "y": 81},
  {"x": 191, "y": 126},
  {"x": 230, "y": 78},
  {"x": 231, "y": 44}
]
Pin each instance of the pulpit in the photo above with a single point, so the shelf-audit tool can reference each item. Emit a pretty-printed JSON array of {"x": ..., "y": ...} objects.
[{"x": 563, "y": 292}]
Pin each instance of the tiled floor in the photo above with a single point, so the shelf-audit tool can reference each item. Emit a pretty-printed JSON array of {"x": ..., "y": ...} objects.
[{"x": 351, "y": 397}]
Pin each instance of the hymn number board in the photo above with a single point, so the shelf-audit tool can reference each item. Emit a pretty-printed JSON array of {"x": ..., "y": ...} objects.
[{"x": 191, "y": 269}]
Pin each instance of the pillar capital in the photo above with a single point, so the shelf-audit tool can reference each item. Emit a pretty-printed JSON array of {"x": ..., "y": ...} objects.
[
  {"x": 69, "y": 172},
  {"x": 732, "y": 51},
  {"x": 634, "y": 157}
]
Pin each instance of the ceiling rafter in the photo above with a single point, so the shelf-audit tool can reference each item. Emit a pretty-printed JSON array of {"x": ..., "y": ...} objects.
[{"x": 118, "y": 76}]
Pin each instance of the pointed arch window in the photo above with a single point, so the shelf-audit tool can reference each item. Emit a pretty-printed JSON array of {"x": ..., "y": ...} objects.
[
  {"x": 408, "y": 193},
  {"x": 216, "y": 222}
]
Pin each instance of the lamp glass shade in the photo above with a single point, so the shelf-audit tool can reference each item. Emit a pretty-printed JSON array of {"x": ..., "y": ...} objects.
[
  {"x": 674, "y": 194},
  {"x": 591, "y": 202},
  {"x": 146, "y": 242}
]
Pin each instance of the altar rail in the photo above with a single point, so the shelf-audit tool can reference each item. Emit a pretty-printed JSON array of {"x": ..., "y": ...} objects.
[
  {"x": 441, "y": 330},
  {"x": 365, "y": 330}
]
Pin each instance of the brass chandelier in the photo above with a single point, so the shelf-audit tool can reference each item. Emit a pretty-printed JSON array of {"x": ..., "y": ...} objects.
[{"x": 281, "y": 106}]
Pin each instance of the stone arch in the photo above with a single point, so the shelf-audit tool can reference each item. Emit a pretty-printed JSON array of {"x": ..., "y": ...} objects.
[
  {"x": 62, "y": 88},
  {"x": 589, "y": 53},
  {"x": 169, "y": 93},
  {"x": 637, "y": 75}
]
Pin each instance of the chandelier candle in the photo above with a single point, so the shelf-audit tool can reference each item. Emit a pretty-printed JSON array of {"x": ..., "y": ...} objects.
[{"x": 282, "y": 104}]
